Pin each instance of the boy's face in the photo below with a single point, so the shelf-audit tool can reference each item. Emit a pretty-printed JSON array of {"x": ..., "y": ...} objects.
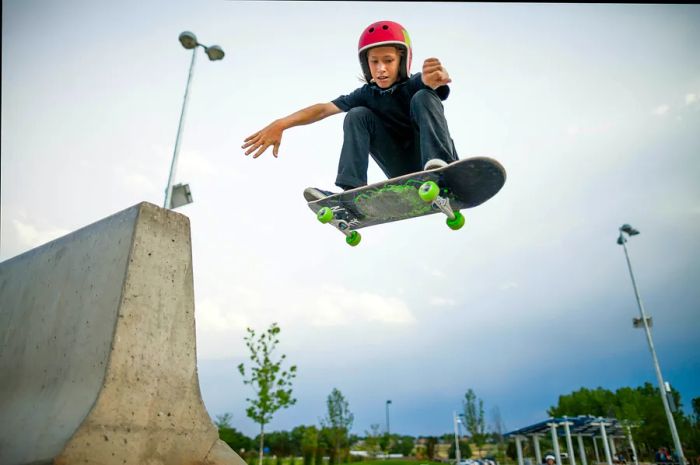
[{"x": 384, "y": 65}]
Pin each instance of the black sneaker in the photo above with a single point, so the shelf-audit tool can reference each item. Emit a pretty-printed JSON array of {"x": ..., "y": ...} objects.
[{"x": 312, "y": 193}]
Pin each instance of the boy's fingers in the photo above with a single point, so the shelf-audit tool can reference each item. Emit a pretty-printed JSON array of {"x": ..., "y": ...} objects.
[
  {"x": 251, "y": 136},
  {"x": 260, "y": 151},
  {"x": 250, "y": 140}
]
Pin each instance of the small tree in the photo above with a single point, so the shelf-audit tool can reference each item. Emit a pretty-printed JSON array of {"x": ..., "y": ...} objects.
[
  {"x": 372, "y": 440},
  {"x": 234, "y": 438},
  {"x": 272, "y": 386},
  {"x": 474, "y": 418},
  {"x": 338, "y": 421},
  {"x": 309, "y": 444}
]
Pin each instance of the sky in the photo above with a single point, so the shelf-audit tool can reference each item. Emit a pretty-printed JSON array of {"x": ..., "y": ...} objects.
[{"x": 593, "y": 110}]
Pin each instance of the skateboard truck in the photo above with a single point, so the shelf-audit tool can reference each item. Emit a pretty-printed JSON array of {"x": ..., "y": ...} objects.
[
  {"x": 429, "y": 192},
  {"x": 325, "y": 215}
]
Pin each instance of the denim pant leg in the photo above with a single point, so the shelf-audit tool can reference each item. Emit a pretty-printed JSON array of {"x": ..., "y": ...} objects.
[
  {"x": 364, "y": 134},
  {"x": 430, "y": 125}
]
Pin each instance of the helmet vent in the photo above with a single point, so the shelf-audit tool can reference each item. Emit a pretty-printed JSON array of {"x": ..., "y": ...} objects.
[
  {"x": 385, "y": 27},
  {"x": 371, "y": 29}
]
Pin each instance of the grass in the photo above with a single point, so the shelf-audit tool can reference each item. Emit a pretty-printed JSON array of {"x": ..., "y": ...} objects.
[{"x": 398, "y": 462}]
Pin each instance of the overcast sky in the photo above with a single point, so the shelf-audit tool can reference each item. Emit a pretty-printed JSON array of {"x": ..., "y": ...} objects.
[{"x": 594, "y": 111}]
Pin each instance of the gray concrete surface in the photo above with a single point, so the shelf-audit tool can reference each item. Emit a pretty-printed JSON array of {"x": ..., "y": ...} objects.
[{"x": 98, "y": 351}]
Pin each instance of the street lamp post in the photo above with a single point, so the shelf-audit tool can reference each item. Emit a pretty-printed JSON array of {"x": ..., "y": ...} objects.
[
  {"x": 457, "y": 421},
  {"x": 176, "y": 196},
  {"x": 387, "y": 417},
  {"x": 628, "y": 230}
]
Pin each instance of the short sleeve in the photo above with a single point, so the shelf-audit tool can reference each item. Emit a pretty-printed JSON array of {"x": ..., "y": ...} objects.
[{"x": 354, "y": 99}]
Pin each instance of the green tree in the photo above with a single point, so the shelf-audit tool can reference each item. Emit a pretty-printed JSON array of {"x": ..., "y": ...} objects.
[
  {"x": 309, "y": 444},
  {"x": 430, "y": 443},
  {"x": 640, "y": 405},
  {"x": 338, "y": 421},
  {"x": 279, "y": 443},
  {"x": 474, "y": 418},
  {"x": 403, "y": 445},
  {"x": 373, "y": 440},
  {"x": 271, "y": 384},
  {"x": 223, "y": 420},
  {"x": 464, "y": 450},
  {"x": 227, "y": 433}
]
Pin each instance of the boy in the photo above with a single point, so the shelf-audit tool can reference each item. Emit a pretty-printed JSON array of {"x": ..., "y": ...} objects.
[{"x": 396, "y": 117}]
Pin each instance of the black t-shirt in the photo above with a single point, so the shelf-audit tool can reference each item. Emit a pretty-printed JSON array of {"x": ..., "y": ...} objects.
[{"x": 392, "y": 105}]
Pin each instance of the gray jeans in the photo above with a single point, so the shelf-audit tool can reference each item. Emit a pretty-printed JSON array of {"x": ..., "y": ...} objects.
[{"x": 364, "y": 134}]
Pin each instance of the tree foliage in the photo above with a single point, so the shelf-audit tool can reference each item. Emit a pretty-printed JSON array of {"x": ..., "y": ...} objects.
[
  {"x": 271, "y": 384},
  {"x": 474, "y": 418},
  {"x": 642, "y": 406},
  {"x": 338, "y": 421}
]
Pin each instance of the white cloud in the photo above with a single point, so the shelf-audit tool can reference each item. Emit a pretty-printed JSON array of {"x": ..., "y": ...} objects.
[
  {"x": 661, "y": 110},
  {"x": 193, "y": 163},
  {"x": 30, "y": 236},
  {"x": 442, "y": 302},
  {"x": 336, "y": 306},
  {"x": 139, "y": 183},
  {"x": 212, "y": 317},
  {"x": 508, "y": 285},
  {"x": 573, "y": 130},
  {"x": 691, "y": 99},
  {"x": 223, "y": 319},
  {"x": 590, "y": 130},
  {"x": 435, "y": 272}
]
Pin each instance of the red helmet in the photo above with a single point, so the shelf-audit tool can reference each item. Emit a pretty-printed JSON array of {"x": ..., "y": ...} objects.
[{"x": 385, "y": 33}]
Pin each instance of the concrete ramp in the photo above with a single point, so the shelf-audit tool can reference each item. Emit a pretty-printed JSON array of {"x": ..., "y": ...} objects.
[{"x": 98, "y": 352}]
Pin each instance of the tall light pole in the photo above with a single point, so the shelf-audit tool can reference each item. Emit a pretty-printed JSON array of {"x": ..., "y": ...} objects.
[
  {"x": 457, "y": 421},
  {"x": 628, "y": 230},
  {"x": 387, "y": 417},
  {"x": 176, "y": 196}
]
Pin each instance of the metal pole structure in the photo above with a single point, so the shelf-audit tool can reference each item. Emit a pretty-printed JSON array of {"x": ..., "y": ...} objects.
[
  {"x": 173, "y": 165},
  {"x": 555, "y": 442},
  {"x": 538, "y": 452},
  {"x": 458, "y": 456},
  {"x": 604, "y": 438},
  {"x": 519, "y": 449},
  {"x": 387, "y": 417},
  {"x": 582, "y": 450},
  {"x": 569, "y": 444},
  {"x": 657, "y": 367},
  {"x": 634, "y": 449},
  {"x": 597, "y": 453}
]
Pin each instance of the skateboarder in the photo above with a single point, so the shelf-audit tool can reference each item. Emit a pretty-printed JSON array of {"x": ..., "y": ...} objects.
[{"x": 396, "y": 117}]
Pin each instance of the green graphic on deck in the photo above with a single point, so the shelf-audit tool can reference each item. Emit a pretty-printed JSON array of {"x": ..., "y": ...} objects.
[{"x": 393, "y": 201}]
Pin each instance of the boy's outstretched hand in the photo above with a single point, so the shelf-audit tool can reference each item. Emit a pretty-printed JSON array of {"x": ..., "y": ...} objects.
[
  {"x": 261, "y": 140},
  {"x": 434, "y": 75}
]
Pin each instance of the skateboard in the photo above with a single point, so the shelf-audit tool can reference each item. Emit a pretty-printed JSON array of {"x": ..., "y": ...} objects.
[{"x": 460, "y": 185}]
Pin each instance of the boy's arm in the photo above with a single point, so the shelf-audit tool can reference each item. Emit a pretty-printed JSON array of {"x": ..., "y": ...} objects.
[{"x": 272, "y": 133}]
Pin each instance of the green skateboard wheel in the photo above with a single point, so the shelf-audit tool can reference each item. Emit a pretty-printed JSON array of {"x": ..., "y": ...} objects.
[
  {"x": 353, "y": 239},
  {"x": 428, "y": 191},
  {"x": 457, "y": 222},
  {"x": 324, "y": 215}
]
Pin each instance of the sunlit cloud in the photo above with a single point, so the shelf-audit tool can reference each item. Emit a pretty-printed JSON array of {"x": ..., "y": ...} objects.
[
  {"x": 30, "y": 236},
  {"x": 442, "y": 302},
  {"x": 691, "y": 99},
  {"x": 661, "y": 110},
  {"x": 509, "y": 285}
]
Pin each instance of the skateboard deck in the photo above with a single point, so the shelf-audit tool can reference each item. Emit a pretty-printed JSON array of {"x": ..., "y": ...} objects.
[{"x": 460, "y": 185}]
